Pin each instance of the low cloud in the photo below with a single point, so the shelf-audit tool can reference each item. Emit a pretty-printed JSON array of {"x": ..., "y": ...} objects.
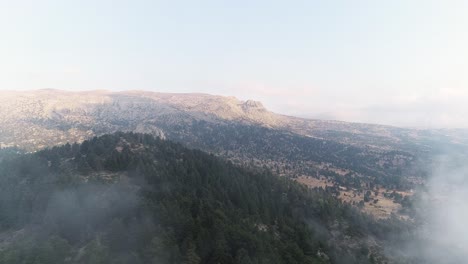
[{"x": 441, "y": 213}]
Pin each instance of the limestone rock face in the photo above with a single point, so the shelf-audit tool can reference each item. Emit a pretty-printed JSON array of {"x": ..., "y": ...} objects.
[{"x": 35, "y": 119}]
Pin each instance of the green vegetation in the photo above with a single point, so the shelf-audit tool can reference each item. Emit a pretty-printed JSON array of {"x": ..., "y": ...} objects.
[
  {"x": 133, "y": 198},
  {"x": 292, "y": 154}
]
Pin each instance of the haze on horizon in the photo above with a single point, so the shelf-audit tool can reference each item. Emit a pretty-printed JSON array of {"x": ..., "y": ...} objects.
[{"x": 398, "y": 62}]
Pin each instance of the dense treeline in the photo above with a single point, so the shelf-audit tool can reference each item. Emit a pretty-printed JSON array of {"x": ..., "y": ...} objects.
[
  {"x": 299, "y": 154},
  {"x": 133, "y": 198}
]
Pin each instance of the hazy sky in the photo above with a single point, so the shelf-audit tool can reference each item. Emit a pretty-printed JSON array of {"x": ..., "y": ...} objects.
[{"x": 402, "y": 62}]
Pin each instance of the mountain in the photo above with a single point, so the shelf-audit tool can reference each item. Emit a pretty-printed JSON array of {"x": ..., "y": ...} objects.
[
  {"x": 348, "y": 158},
  {"x": 133, "y": 198},
  {"x": 60, "y": 116},
  {"x": 34, "y": 120}
]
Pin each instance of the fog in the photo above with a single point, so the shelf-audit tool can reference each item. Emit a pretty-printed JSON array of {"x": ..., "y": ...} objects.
[
  {"x": 447, "y": 206},
  {"x": 76, "y": 212},
  {"x": 441, "y": 208}
]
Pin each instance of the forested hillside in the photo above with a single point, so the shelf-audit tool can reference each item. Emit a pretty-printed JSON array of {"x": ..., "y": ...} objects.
[
  {"x": 374, "y": 167},
  {"x": 133, "y": 198},
  {"x": 292, "y": 155}
]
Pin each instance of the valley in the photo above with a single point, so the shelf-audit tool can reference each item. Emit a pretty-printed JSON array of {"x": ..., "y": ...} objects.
[
  {"x": 133, "y": 198},
  {"x": 351, "y": 185},
  {"x": 342, "y": 156}
]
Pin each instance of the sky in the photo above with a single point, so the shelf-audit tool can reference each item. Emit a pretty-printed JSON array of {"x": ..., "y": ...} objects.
[{"x": 400, "y": 62}]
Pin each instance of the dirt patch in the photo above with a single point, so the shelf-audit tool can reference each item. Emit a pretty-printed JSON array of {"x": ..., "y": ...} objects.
[
  {"x": 314, "y": 182},
  {"x": 378, "y": 205}
]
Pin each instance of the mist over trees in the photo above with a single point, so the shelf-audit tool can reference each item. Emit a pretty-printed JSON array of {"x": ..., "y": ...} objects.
[{"x": 133, "y": 198}]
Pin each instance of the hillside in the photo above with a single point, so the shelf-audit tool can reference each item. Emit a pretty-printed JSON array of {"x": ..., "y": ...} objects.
[
  {"x": 132, "y": 198},
  {"x": 350, "y": 159},
  {"x": 372, "y": 167},
  {"x": 60, "y": 116}
]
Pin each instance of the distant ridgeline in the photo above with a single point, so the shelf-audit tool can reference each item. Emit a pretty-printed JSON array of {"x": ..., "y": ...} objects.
[
  {"x": 350, "y": 155},
  {"x": 133, "y": 198}
]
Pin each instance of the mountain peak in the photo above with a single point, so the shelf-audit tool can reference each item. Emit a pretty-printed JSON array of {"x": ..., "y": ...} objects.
[{"x": 251, "y": 104}]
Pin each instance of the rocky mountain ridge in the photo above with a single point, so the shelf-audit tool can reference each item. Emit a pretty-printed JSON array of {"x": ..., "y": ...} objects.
[
  {"x": 27, "y": 117},
  {"x": 347, "y": 158}
]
